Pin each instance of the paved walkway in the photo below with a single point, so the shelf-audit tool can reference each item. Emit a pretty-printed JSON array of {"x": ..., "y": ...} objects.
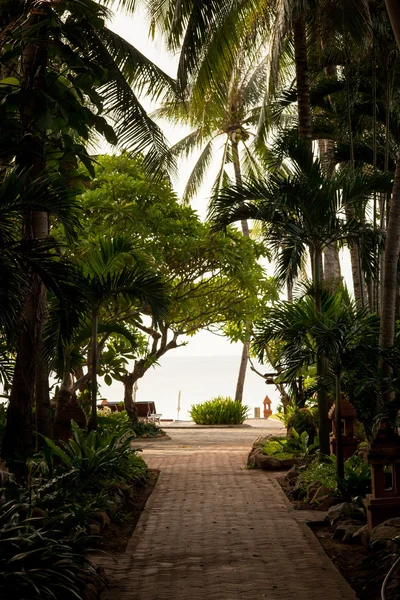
[{"x": 213, "y": 530}]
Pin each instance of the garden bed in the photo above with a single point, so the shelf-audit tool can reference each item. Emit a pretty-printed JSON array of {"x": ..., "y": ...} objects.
[
  {"x": 117, "y": 535},
  {"x": 362, "y": 568}
]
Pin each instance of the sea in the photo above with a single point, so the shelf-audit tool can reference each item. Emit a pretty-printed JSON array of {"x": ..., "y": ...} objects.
[{"x": 196, "y": 379}]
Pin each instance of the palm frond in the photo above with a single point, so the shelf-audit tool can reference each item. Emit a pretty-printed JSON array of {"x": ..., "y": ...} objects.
[{"x": 198, "y": 173}]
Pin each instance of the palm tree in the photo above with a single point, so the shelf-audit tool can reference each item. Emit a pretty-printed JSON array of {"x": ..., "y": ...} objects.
[
  {"x": 305, "y": 208},
  {"x": 66, "y": 95},
  {"x": 108, "y": 280},
  {"x": 392, "y": 250},
  {"x": 340, "y": 331},
  {"x": 223, "y": 124}
]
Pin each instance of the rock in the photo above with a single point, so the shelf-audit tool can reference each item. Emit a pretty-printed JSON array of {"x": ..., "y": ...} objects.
[
  {"x": 251, "y": 460},
  {"x": 292, "y": 474},
  {"x": 383, "y": 534},
  {"x": 326, "y": 503},
  {"x": 321, "y": 493},
  {"x": 298, "y": 493},
  {"x": 261, "y": 441},
  {"x": 312, "y": 488},
  {"x": 346, "y": 529},
  {"x": 288, "y": 462},
  {"x": 361, "y": 536},
  {"x": 270, "y": 463},
  {"x": 345, "y": 510}
]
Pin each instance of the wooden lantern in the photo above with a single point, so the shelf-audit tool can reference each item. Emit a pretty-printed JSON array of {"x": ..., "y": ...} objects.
[
  {"x": 349, "y": 417},
  {"x": 267, "y": 407},
  {"x": 384, "y": 458}
]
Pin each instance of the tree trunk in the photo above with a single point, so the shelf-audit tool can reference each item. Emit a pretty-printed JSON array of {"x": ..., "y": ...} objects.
[
  {"x": 95, "y": 360},
  {"x": 129, "y": 404},
  {"x": 391, "y": 260},
  {"x": 245, "y": 231},
  {"x": 339, "y": 442},
  {"x": 332, "y": 271},
  {"x": 44, "y": 421},
  {"x": 302, "y": 83},
  {"x": 18, "y": 438},
  {"x": 321, "y": 363},
  {"x": 393, "y": 8}
]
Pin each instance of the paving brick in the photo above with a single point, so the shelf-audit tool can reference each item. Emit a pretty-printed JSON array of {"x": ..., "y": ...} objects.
[{"x": 213, "y": 530}]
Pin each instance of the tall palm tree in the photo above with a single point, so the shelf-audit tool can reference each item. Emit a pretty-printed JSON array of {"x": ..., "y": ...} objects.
[
  {"x": 305, "y": 208},
  {"x": 392, "y": 250},
  {"x": 223, "y": 124}
]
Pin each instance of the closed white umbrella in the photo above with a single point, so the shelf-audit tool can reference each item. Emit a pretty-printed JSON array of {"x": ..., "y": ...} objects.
[{"x": 179, "y": 403}]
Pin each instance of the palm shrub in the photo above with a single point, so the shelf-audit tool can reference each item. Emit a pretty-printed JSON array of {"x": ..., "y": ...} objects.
[
  {"x": 91, "y": 461},
  {"x": 219, "y": 411},
  {"x": 40, "y": 559}
]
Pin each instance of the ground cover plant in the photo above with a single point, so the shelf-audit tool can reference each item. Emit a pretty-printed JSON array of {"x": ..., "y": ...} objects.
[{"x": 219, "y": 411}]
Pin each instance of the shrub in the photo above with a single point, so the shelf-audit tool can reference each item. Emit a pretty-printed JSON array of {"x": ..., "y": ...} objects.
[
  {"x": 302, "y": 420},
  {"x": 296, "y": 446},
  {"x": 148, "y": 429},
  {"x": 357, "y": 476},
  {"x": 95, "y": 460},
  {"x": 219, "y": 411},
  {"x": 41, "y": 560},
  {"x": 114, "y": 422}
]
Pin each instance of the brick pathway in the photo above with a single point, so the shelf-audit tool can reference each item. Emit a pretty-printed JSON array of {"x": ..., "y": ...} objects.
[{"x": 214, "y": 531}]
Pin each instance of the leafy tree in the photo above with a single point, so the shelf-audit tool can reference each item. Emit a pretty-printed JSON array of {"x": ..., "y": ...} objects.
[{"x": 213, "y": 278}]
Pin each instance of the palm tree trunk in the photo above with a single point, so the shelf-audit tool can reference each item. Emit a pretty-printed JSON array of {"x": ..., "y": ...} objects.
[
  {"x": 332, "y": 270},
  {"x": 338, "y": 422},
  {"x": 321, "y": 362},
  {"x": 44, "y": 421},
  {"x": 95, "y": 360},
  {"x": 393, "y": 9},
  {"x": 302, "y": 82},
  {"x": 18, "y": 437},
  {"x": 245, "y": 231},
  {"x": 391, "y": 259}
]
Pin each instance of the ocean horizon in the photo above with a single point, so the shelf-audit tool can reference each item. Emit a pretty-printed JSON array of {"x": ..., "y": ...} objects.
[{"x": 197, "y": 378}]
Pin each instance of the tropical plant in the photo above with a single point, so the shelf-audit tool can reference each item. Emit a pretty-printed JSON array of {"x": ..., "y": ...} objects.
[
  {"x": 303, "y": 207},
  {"x": 219, "y": 411},
  {"x": 341, "y": 331},
  {"x": 39, "y": 559},
  {"x": 91, "y": 460},
  {"x": 297, "y": 445}
]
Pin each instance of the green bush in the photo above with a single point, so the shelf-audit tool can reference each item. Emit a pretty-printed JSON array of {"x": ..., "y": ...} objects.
[
  {"x": 302, "y": 420},
  {"x": 90, "y": 461},
  {"x": 39, "y": 559},
  {"x": 114, "y": 422},
  {"x": 148, "y": 429},
  {"x": 297, "y": 446},
  {"x": 219, "y": 411},
  {"x": 357, "y": 476}
]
